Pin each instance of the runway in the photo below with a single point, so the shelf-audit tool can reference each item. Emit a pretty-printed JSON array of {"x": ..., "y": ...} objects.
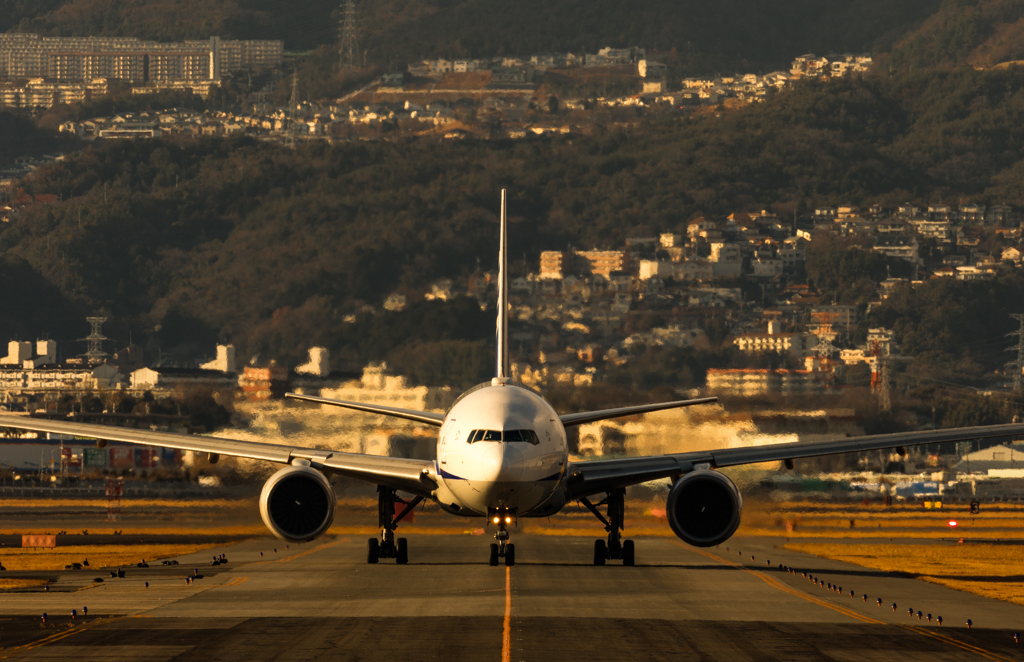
[{"x": 322, "y": 601}]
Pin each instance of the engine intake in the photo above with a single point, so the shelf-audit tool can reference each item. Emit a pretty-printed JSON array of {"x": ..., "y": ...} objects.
[
  {"x": 297, "y": 504},
  {"x": 704, "y": 508}
]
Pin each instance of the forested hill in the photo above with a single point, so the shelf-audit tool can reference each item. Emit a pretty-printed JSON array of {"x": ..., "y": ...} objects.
[
  {"x": 727, "y": 33},
  {"x": 979, "y": 33},
  {"x": 272, "y": 248}
]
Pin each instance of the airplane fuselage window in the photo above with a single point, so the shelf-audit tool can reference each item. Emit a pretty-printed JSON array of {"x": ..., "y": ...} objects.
[{"x": 527, "y": 436}]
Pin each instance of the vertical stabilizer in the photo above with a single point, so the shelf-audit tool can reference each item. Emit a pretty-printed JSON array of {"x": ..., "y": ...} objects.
[{"x": 503, "y": 371}]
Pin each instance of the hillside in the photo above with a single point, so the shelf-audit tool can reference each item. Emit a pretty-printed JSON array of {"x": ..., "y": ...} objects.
[
  {"x": 273, "y": 248},
  {"x": 980, "y": 33},
  {"x": 730, "y": 33}
]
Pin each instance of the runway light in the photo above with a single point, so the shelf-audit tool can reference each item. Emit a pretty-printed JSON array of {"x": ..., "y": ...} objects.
[
  {"x": 952, "y": 523},
  {"x": 911, "y": 611},
  {"x": 969, "y": 623},
  {"x": 894, "y": 607},
  {"x": 938, "y": 619},
  {"x": 919, "y": 614},
  {"x": 44, "y": 617},
  {"x": 85, "y": 611},
  {"x": 1016, "y": 635}
]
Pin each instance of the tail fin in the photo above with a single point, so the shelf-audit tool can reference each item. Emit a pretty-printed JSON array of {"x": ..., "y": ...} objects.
[{"x": 503, "y": 371}]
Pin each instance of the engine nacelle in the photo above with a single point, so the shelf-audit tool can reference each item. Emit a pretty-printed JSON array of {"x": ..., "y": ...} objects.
[
  {"x": 704, "y": 508},
  {"x": 297, "y": 504}
]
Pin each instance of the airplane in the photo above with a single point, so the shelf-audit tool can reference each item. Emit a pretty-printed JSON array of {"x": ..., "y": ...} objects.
[{"x": 502, "y": 454}]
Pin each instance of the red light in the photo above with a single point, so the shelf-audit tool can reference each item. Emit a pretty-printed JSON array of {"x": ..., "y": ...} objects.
[{"x": 952, "y": 522}]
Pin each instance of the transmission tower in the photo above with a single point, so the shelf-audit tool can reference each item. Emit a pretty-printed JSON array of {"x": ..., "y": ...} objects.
[
  {"x": 1018, "y": 365},
  {"x": 348, "y": 37},
  {"x": 95, "y": 339},
  {"x": 826, "y": 333}
]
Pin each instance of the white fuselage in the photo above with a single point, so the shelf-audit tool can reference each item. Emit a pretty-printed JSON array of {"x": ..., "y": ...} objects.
[{"x": 501, "y": 447}]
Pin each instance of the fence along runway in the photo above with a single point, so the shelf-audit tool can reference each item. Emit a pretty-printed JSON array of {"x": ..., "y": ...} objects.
[{"x": 321, "y": 600}]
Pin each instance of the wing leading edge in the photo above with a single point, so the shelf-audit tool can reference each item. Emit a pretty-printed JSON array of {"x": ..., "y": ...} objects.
[
  {"x": 586, "y": 478},
  {"x": 416, "y": 476},
  {"x": 604, "y": 414},
  {"x": 429, "y": 418}
]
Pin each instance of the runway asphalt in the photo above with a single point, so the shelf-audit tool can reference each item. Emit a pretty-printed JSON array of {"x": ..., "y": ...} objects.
[{"x": 321, "y": 601}]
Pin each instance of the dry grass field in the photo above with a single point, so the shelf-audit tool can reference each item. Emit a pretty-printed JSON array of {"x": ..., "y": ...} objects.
[
  {"x": 99, "y": 556},
  {"x": 993, "y": 571},
  {"x": 875, "y": 520}
]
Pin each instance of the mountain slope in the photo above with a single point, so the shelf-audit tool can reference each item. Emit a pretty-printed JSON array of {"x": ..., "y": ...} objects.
[{"x": 272, "y": 248}]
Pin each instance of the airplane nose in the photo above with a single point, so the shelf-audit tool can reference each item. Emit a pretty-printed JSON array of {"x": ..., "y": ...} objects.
[{"x": 501, "y": 462}]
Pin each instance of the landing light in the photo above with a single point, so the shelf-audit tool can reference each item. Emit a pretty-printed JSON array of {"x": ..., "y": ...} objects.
[
  {"x": 952, "y": 522},
  {"x": 497, "y": 520},
  {"x": 508, "y": 520}
]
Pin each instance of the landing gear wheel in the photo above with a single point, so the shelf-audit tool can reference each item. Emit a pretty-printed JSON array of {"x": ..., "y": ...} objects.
[
  {"x": 402, "y": 554},
  {"x": 372, "y": 550},
  {"x": 627, "y": 552},
  {"x": 510, "y": 555},
  {"x": 494, "y": 554},
  {"x": 600, "y": 552}
]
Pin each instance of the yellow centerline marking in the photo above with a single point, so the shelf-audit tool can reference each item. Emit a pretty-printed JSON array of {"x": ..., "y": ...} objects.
[
  {"x": 506, "y": 639},
  {"x": 771, "y": 581},
  {"x": 236, "y": 581}
]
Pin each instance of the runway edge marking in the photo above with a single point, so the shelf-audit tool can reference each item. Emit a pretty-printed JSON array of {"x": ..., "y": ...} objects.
[
  {"x": 506, "y": 638},
  {"x": 4, "y": 654},
  {"x": 771, "y": 581}
]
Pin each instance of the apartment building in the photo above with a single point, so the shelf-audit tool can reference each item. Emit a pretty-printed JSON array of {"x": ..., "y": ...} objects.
[{"x": 129, "y": 59}]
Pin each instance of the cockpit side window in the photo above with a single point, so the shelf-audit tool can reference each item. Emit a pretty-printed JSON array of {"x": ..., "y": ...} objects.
[{"x": 484, "y": 435}]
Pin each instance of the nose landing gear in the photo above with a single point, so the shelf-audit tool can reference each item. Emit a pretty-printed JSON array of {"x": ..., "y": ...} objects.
[
  {"x": 502, "y": 548},
  {"x": 614, "y": 547},
  {"x": 389, "y": 547}
]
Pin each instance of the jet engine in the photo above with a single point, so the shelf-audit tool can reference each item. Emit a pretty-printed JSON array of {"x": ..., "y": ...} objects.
[
  {"x": 704, "y": 508},
  {"x": 297, "y": 504}
]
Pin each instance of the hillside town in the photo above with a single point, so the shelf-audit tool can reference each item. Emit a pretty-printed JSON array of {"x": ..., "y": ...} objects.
[{"x": 504, "y": 97}]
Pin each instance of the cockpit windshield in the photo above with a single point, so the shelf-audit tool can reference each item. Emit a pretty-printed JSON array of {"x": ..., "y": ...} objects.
[{"x": 526, "y": 436}]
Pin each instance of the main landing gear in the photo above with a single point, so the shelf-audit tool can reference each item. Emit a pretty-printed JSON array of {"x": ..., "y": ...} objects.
[
  {"x": 388, "y": 547},
  {"x": 615, "y": 547},
  {"x": 503, "y": 548}
]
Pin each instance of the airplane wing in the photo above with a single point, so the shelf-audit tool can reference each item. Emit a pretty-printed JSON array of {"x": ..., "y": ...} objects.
[
  {"x": 591, "y": 416},
  {"x": 595, "y": 476},
  {"x": 427, "y": 417},
  {"x": 416, "y": 476}
]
